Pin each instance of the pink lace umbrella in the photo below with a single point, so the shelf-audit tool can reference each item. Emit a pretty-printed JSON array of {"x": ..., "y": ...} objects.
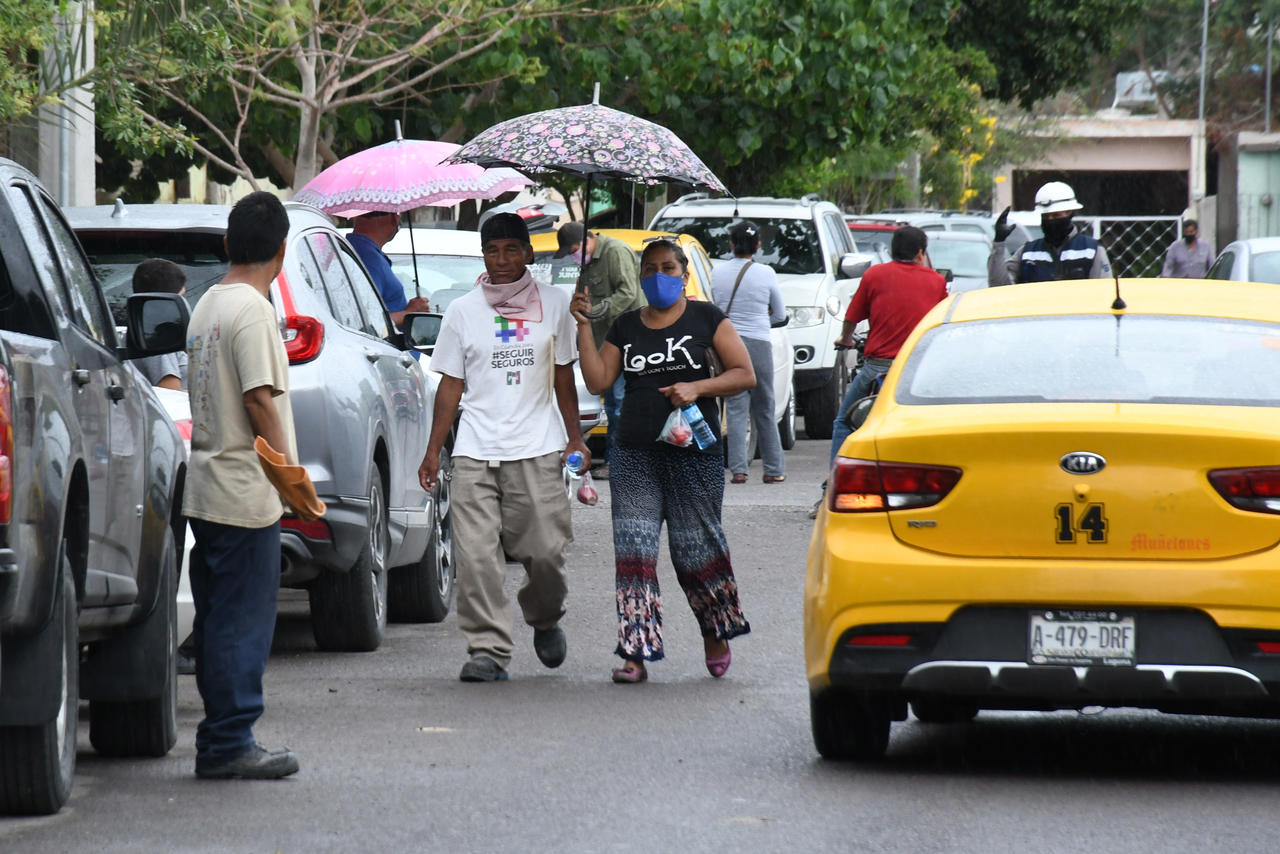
[{"x": 401, "y": 175}]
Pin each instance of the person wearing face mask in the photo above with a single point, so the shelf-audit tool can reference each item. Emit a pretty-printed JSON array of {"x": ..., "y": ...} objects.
[
  {"x": 1190, "y": 257},
  {"x": 610, "y": 280},
  {"x": 662, "y": 352},
  {"x": 1063, "y": 253},
  {"x": 505, "y": 354}
]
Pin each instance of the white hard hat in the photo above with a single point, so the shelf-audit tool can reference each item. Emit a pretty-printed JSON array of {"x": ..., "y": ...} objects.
[{"x": 1056, "y": 196}]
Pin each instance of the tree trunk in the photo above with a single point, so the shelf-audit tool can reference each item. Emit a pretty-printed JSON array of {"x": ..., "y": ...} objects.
[{"x": 306, "y": 164}]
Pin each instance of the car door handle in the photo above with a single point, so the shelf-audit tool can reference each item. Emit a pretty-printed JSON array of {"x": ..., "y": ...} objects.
[
  {"x": 81, "y": 376},
  {"x": 372, "y": 355},
  {"x": 115, "y": 392}
]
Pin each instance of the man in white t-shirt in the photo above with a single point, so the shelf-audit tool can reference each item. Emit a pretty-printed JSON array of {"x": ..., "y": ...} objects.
[
  {"x": 506, "y": 352},
  {"x": 239, "y": 388}
]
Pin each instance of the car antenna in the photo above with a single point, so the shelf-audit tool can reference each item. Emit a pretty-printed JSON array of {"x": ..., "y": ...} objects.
[
  {"x": 735, "y": 207},
  {"x": 1119, "y": 304}
]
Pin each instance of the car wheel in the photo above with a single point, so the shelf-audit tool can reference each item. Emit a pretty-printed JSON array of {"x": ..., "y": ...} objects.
[
  {"x": 820, "y": 404},
  {"x": 147, "y": 726},
  {"x": 423, "y": 592},
  {"x": 349, "y": 609},
  {"x": 39, "y": 761},
  {"x": 787, "y": 425},
  {"x": 932, "y": 710},
  {"x": 848, "y": 725}
]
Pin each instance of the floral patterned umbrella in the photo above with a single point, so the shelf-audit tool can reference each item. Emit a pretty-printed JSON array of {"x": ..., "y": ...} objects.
[
  {"x": 592, "y": 141},
  {"x": 401, "y": 175}
]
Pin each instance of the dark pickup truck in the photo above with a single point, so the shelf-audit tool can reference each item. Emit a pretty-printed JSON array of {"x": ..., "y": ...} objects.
[{"x": 91, "y": 477}]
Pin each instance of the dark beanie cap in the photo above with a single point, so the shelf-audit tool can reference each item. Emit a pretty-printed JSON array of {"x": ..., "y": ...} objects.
[{"x": 504, "y": 226}]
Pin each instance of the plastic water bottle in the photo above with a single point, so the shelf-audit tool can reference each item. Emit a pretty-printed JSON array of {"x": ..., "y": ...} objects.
[
  {"x": 574, "y": 463},
  {"x": 702, "y": 433}
]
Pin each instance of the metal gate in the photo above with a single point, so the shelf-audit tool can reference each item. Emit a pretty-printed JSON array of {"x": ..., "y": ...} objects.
[{"x": 1136, "y": 245}]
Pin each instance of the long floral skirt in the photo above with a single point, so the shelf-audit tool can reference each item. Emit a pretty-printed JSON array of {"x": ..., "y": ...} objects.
[{"x": 685, "y": 489}]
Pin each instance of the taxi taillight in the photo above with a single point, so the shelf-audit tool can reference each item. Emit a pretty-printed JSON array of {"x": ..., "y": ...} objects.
[
  {"x": 6, "y": 447},
  {"x": 1256, "y": 489},
  {"x": 864, "y": 486}
]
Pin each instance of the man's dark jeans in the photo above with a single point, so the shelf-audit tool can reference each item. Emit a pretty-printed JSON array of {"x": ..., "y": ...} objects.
[{"x": 235, "y": 579}]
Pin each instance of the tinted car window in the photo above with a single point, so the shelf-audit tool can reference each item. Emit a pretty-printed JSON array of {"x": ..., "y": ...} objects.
[
  {"x": 375, "y": 314},
  {"x": 342, "y": 302},
  {"x": 115, "y": 254},
  {"x": 786, "y": 245},
  {"x": 1096, "y": 358},
  {"x": 1221, "y": 268},
  {"x": 1265, "y": 267},
  {"x": 16, "y": 315},
  {"x": 90, "y": 307}
]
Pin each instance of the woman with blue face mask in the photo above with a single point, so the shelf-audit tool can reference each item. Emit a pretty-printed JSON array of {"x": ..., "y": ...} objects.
[{"x": 663, "y": 352}]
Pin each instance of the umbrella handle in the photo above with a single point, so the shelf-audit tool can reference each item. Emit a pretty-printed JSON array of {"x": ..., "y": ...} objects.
[{"x": 598, "y": 311}]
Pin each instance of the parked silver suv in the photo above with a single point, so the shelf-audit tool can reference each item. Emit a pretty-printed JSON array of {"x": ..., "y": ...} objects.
[{"x": 361, "y": 408}]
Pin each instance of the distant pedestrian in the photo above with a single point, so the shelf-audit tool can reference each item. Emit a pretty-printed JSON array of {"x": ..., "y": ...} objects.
[
  {"x": 1190, "y": 257},
  {"x": 505, "y": 353},
  {"x": 161, "y": 276},
  {"x": 369, "y": 233},
  {"x": 239, "y": 391},
  {"x": 610, "y": 279},
  {"x": 662, "y": 351},
  {"x": 748, "y": 293},
  {"x": 1062, "y": 253}
]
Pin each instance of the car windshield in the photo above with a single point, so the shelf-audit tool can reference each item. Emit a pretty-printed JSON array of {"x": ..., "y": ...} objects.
[
  {"x": 1096, "y": 358},
  {"x": 789, "y": 246},
  {"x": 441, "y": 278},
  {"x": 1265, "y": 267},
  {"x": 962, "y": 258},
  {"x": 114, "y": 257}
]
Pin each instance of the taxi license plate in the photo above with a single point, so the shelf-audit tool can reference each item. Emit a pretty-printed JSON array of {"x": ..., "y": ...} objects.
[{"x": 1081, "y": 638}]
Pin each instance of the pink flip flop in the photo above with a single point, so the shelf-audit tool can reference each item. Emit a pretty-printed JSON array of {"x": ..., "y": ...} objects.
[
  {"x": 629, "y": 676},
  {"x": 717, "y": 666}
]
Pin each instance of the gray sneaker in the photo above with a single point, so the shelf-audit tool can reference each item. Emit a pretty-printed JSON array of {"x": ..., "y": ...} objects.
[
  {"x": 550, "y": 646},
  {"x": 257, "y": 763},
  {"x": 482, "y": 668}
]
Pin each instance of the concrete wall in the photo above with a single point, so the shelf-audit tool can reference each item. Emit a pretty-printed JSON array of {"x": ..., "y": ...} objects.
[
  {"x": 1257, "y": 185},
  {"x": 65, "y": 160}
]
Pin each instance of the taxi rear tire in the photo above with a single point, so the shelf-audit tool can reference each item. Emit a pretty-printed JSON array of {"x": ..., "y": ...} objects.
[{"x": 849, "y": 725}]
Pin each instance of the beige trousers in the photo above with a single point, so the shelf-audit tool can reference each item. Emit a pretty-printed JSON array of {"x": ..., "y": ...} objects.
[{"x": 520, "y": 507}]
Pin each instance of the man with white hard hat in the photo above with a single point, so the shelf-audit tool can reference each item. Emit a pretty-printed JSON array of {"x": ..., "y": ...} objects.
[{"x": 1063, "y": 253}]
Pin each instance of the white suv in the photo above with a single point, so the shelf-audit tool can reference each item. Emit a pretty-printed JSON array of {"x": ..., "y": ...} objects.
[{"x": 808, "y": 244}]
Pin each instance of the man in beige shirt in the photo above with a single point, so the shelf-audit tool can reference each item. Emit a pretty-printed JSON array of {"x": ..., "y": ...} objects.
[{"x": 238, "y": 378}]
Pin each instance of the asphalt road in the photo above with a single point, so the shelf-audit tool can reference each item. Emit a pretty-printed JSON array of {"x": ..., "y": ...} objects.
[{"x": 397, "y": 755}]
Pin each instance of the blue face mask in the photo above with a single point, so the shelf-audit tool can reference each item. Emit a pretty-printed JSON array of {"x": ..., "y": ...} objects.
[{"x": 662, "y": 290}]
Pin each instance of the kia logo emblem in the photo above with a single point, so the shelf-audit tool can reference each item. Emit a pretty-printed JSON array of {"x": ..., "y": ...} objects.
[{"x": 1082, "y": 462}]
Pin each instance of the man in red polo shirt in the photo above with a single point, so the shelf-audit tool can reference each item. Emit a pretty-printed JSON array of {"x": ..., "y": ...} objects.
[{"x": 892, "y": 298}]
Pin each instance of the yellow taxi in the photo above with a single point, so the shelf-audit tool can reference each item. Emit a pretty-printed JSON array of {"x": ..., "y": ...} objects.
[
  {"x": 564, "y": 271},
  {"x": 1065, "y": 495}
]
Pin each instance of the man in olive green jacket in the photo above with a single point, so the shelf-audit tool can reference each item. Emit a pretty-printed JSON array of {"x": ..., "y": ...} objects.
[{"x": 612, "y": 280}]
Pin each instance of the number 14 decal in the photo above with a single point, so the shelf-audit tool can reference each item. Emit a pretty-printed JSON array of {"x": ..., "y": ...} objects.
[{"x": 1092, "y": 523}]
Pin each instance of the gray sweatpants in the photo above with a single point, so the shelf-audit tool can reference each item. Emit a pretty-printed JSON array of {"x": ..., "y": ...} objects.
[
  {"x": 520, "y": 507},
  {"x": 756, "y": 404}
]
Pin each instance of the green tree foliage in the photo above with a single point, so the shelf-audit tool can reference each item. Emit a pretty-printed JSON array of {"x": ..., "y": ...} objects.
[
  {"x": 26, "y": 29},
  {"x": 1038, "y": 47}
]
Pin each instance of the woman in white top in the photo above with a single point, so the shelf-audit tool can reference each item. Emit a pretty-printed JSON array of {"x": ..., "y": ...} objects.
[{"x": 748, "y": 293}]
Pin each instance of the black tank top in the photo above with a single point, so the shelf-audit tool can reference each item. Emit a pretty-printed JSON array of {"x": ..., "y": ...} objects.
[{"x": 656, "y": 358}]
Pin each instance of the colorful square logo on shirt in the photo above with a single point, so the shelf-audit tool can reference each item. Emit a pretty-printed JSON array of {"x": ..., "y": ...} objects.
[{"x": 510, "y": 329}]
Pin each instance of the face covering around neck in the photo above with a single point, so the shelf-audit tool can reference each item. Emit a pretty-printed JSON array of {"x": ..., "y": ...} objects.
[
  {"x": 517, "y": 301},
  {"x": 662, "y": 290},
  {"x": 1056, "y": 230}
]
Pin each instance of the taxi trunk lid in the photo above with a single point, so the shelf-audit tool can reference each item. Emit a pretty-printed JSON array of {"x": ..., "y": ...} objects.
[{"x": 1023, "y": 494}]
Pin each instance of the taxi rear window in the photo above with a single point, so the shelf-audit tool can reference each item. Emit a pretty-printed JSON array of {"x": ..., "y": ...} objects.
[{"x": 1096, "y": 358}]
